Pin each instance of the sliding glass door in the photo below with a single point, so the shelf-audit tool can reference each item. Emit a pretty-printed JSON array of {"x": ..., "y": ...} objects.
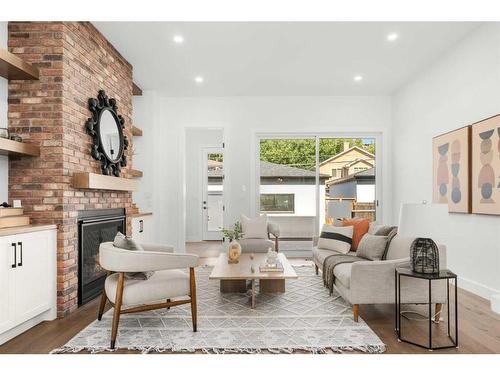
[
  {"x": 288, "y": 189},
  {"x": 308, "y": 181}
]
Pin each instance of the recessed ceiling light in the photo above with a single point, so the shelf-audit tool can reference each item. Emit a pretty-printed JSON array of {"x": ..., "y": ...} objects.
[
  {"x": 178, "y": 39},
  {"x": 392, "y": 37},
  {"x": 199, "y": 79},
  {"x": 358, "y": 78}
]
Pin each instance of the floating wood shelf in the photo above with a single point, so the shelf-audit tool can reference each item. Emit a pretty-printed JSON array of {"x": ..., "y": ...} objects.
[
  {"x": 8, "y": 147},
  {"x": 13, "y": 67},
  {"x": 135, "y": 173},
  {"x": 85, "y": 180},
  {"x": 136, "y": 90},
  {"x": 136, "y": 132}
]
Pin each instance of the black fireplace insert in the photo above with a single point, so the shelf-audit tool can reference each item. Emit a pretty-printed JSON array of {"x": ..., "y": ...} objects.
[{"x": 95, "y": 227}]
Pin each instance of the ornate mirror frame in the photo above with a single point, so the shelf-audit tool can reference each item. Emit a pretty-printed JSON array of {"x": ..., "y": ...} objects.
[{"x": 92, "y": 126}]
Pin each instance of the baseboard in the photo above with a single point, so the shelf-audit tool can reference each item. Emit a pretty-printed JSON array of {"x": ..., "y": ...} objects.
[
  {"x": 477, "y": 288},
  {"x": 17, "y": 330}
]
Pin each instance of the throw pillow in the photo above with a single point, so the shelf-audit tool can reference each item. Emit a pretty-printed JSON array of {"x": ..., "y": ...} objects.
[
  {"x": 359, "y": 230},
  {"x": 384, "y": 230},
  {"x": 254, "y": 228},
  {"x": 372, "y": 247},
  {"x": 390, "y": 237},
  {"x": 335, "y": 238},
  {"x": 127, "y": 243},
  {"x": 374, "y": 227}
]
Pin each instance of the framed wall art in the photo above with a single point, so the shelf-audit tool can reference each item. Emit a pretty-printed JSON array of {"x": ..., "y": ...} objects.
[
  {"x": 451, "y": 169},
  {"x": 486, "y": 166}
]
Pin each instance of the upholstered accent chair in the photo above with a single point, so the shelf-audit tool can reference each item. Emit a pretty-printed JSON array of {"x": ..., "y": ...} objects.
[
  {"x": 372, "y": 281},
  {"x": 261, "y": 245},
  {"x": 156, "y": 292}
]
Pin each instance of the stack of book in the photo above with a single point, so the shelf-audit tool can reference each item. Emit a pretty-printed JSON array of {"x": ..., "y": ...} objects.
[
  {"x": 276, "y": 267},
  {"x": 13, "y": 217}
]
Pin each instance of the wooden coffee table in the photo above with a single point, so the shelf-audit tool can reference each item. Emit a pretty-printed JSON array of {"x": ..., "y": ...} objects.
[{"x": 234, "y": 276}]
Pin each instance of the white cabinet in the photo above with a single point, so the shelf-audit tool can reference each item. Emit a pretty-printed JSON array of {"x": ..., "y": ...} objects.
[
  {"x": 28, "y": 281},
  {"x": 143, "y": 228},
  {"x": 7, "y": 275}
]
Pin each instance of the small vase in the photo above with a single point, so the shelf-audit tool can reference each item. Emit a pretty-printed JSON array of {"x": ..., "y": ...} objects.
[{"x": 233, "y": 252}]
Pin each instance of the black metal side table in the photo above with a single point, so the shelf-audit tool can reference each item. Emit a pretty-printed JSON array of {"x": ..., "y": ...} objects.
[{"x": 441, "y": 275}]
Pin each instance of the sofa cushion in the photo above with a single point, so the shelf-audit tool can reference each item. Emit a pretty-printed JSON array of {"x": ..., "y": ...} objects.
[
  {"x": 360, "y": 228},
  {"x": 254, "y": 228},
  {"x": 335, "y": 238},
  {"x": 319, "y": 255},
  {"x": 399, "y": 248},
  {"x": 372, "y": 247},
  {"x": 342, "y": 274},
  {"x": 159, "y": 287}
]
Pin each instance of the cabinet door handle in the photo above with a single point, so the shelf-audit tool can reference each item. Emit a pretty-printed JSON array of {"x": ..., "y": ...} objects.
[
  {"x": 141, "y": 226},
  {"x": 14, "y": 265},
  {"x": 20, "y": 264}
]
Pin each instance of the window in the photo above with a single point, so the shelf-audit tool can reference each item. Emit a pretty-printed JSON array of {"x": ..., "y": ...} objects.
[{"x": 277, "y": 203}]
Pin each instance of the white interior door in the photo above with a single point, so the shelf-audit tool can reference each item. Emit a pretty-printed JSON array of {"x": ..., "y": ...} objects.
[{"x": 213, "y": 193}]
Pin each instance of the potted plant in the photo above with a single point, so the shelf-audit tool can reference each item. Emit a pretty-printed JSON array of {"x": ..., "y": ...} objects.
[{"x": 233, "y": 235}]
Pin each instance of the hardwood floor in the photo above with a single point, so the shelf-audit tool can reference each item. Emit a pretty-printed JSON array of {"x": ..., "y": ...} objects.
[{"x": 479, "y": 327}]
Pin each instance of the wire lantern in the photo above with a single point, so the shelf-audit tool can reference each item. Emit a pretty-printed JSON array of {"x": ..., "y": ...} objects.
[{"x": 424, "y": 256}]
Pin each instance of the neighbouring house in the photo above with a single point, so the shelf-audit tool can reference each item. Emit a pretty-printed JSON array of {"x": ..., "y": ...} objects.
[
  {"x": 359, "y": 186},
  {"x": 350, "y": 161},
  {"x": 286, "y": 193},
  {"x": 352, "y": 196}
]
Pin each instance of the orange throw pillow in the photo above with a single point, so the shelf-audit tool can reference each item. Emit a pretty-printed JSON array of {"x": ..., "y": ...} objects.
[{"x": 360, "y": 229}]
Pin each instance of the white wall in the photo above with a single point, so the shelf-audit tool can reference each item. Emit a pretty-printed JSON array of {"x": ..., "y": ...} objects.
[
  {"x": 242, "y": 118},
  {"x": 196, "y": 139},
  {"x": 461, "y": 88},
  {"x": 4, "y": 161}
]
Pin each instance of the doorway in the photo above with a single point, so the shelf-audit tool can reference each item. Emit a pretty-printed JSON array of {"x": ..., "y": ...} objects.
[
  {"x": 204, "y": 178},
  {"x": 213, "y": 193}
]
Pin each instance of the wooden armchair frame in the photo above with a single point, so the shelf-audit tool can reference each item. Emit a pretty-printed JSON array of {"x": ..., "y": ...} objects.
[{"x": 167, "y": 304}]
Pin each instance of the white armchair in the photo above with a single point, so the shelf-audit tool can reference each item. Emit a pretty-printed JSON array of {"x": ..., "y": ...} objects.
[
  {"x": 131, "y": 295},
  {"x": 261, "y": 245}
]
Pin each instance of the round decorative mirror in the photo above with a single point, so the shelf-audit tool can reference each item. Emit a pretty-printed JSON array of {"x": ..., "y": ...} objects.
[
  {"x": 106, "y": 127},
  {"x": 109, "y": 129}
]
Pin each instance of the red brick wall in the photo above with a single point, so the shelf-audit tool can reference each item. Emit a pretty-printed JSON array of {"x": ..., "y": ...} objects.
[{"x": 75, "y": 62}]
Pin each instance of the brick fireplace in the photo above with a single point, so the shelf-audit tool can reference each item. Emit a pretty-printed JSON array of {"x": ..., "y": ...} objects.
[{"x": 75, "y": 62}]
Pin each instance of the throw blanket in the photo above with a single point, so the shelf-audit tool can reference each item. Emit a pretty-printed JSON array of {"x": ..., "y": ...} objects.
[{"x": 333, "y": 261}]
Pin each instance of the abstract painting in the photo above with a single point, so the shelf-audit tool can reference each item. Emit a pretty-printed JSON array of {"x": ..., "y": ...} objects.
[
  {"x": 451, "y": 170},
  {"x": 486, "y": 166}
]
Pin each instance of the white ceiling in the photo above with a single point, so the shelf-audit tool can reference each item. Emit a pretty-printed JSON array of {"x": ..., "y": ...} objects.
[{"x": 277, "y": 58}]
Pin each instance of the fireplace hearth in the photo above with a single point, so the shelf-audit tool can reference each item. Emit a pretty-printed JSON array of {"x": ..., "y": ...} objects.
[{"x": 95, "y": 227}]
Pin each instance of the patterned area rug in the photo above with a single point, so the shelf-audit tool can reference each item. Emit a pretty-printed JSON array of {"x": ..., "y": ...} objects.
[{"x": 304, "y": 318}]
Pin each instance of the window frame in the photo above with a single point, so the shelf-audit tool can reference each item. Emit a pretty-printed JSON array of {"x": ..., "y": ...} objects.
[{"x": 292, "y": 195}]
